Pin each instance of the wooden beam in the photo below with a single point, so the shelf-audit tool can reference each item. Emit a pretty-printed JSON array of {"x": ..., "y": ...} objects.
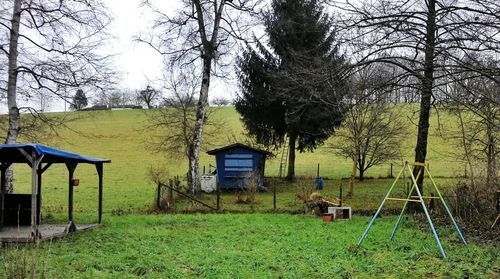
[
  {"x": 100, "y": 174},
  {"x": 71, "y": 170},
  {"x": 5, "y": 165},
  {"x": 27, "y": 156},
  {"x": 189, "y": 197},
  {"x": 47, "y": 166}
]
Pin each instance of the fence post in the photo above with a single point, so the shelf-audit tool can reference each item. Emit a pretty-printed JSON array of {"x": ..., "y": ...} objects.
[
  {"x": 158, "y": 194},
  {"x": 274, "y": 195},
  {"x": 218, "y": 197},
  {"x": 392, "y": 176},
  {"x": 170, "y": 192}
]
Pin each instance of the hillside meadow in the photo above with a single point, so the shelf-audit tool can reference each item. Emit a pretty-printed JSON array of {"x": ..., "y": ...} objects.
[
  {"x": 120, "y": 135},
  {"x": 131, "y": 244}
]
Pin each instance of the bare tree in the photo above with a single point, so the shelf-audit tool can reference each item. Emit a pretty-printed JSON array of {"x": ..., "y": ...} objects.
[
  {"x": 172, "y": 128},
  {"x": 475, "y": 103},
  {"x": 221, "y": 101},
  {"x": 372, "y": 129},
  {"x": 50, "y": 46},
  {"x": 428, "y": 40},
  {"x": 148, "y": 96},
  {"x": 202, "y": 33}
]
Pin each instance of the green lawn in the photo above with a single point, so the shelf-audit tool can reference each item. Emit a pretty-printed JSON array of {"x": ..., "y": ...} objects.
[
  {"x": 120, "y": 136},
  {"x": 256, "y": 246}
]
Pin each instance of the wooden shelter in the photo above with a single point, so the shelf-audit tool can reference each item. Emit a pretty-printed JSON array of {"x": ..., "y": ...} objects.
[{"x": 20, "y": 214}]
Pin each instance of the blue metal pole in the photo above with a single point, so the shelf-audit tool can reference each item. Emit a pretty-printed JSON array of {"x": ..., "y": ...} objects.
[
  {"x": 379, "y": 209},
  {"x": 447, "y": 209},
  {"x": 403, "y": 210},
  {"x": 436, "y": 237}
]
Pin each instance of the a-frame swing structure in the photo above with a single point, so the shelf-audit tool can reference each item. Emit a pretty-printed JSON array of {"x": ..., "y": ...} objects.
[{"x": 423, "y": 170}]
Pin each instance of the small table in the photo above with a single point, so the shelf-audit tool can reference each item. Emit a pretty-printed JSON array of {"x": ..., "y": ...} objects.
[{"x": 342, "y": 212}]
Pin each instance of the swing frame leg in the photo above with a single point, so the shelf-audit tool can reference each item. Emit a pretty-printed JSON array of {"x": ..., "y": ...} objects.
[
  {"x": 436, "y": 237},
  {"x": 447, "y": 209},
  {"x": 379, "y": 209}
]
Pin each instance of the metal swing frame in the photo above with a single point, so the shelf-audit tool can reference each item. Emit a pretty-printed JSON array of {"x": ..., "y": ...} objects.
[{"x": 423, "y": 169}]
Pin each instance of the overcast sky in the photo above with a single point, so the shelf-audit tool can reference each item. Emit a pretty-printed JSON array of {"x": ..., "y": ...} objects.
[{"x": 137, "y": 64}]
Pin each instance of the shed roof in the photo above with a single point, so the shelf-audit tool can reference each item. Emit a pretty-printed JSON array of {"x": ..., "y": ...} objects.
[
  {"x": 10, "y": 153},
  {"x": 221, "y": 149}
]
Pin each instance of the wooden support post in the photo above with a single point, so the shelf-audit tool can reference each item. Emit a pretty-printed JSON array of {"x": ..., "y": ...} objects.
[
  {"x": 39, "y": 196},
  {"x": 100, "y": 175},
  {"x": 71, "y": 170},
  {"x": 35, "y": 162},
  {"x": 392, "y": 175}
]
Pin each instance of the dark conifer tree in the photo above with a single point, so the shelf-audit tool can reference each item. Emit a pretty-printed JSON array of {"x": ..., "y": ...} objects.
[{"x": 292, "y": 86}]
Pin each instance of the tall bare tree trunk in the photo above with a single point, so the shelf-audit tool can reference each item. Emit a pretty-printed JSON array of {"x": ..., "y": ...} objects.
[
  {"x": 194, "y": 150},
  {"x": 291, "y": 157},
  {"x": 426, "y": 95},
  {"x": 14, "y": 118}
]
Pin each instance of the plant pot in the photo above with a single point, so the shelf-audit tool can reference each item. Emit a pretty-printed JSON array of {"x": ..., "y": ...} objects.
[{"x": 327, "y": 217}]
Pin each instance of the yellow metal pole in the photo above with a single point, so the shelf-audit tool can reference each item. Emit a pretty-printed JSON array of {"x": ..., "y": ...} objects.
[
  {"x": 379, "y": 209},
  {"x": 405, "y": 204}
]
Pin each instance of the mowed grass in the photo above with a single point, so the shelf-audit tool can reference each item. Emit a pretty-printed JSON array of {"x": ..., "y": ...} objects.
[
  {"x": 121, "y": 137},
  {"x": 256, "y": 246}
]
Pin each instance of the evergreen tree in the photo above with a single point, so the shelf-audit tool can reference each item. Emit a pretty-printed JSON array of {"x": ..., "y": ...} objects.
[
  {"x": 292, "y": 86},
  {"x": 79, "y": 100}
]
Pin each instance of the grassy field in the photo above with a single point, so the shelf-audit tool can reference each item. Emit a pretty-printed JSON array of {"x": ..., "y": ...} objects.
[
  {"x": 255, "y": 246},
  {"x": 120, "y": 136},
  {"x": 131, "y": 245}
]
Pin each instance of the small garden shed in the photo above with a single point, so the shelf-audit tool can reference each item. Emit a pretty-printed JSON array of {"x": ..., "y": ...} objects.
[{"x": 237, "y": 163}]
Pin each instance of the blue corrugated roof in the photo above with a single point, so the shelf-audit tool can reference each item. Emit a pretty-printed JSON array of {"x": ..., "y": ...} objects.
[{"x": 10, "y": 153}]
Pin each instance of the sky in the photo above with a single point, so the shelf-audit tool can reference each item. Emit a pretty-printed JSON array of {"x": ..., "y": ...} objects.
[{"x": 137, "y": 64}]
